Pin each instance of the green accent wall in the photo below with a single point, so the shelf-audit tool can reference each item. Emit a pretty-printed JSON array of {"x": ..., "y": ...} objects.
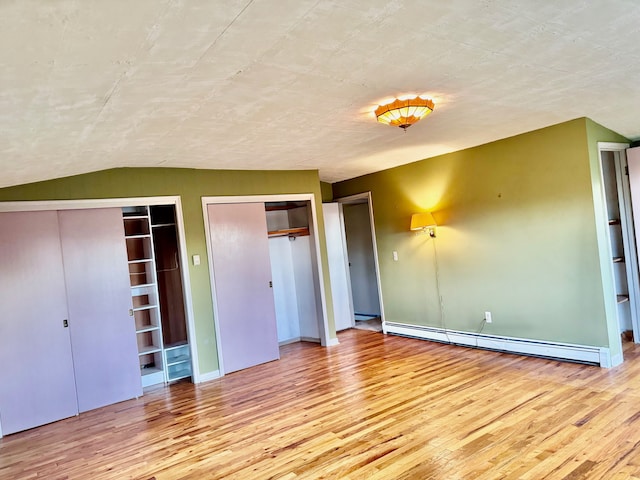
[
  {"x": 191, "y": 185},
  {"x": 327, "y": 192},
  {"x": 516, "y": 236}
]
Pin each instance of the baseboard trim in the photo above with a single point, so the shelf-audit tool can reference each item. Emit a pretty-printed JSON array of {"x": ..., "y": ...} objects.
[
  {"x": 310, "y": 339},
  {"x": 331, "y": 342},
  {"x": 538, "y": 348},
  {"x": 205, "y": 377}
]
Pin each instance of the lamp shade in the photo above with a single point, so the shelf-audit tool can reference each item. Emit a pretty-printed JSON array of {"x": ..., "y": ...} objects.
[
  {"x": 420, "y": 221},
  {"x": 404, "y": 113}
]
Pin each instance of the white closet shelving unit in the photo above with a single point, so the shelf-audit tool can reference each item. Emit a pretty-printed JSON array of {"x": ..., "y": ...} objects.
[{"x": 144, "y": 294}]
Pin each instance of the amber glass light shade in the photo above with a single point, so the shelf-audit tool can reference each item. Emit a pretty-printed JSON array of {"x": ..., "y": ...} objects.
[{"x": 404, "y": 113}]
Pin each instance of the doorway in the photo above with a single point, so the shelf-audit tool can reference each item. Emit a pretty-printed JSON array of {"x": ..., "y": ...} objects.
[
  {"x": 356, "y": 215},
  {"x": 617, "y": 186}
]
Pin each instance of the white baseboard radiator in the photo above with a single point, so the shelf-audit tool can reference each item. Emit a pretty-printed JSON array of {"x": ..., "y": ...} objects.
[{"x": 538, "y": 348}]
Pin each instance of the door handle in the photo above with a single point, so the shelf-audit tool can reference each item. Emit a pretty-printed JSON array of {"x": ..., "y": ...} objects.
[
  {"x": 65, "y": 323},
  {"x": 270, "y": 284},
  {"x": 131, "y": 312}
]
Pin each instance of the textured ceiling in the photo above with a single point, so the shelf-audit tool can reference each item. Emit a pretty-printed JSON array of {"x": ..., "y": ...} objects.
[{"x": 290, "y": 84}]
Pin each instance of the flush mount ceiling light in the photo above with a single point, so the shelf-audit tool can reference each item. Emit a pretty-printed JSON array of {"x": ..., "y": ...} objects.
[{"x": 404, "y": 112}]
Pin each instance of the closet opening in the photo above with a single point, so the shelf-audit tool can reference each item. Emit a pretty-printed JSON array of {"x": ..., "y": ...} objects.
[
  {"x": 157, "y": 293},
  {"x": 294, "y": 274},
  {"x": 266, "y": 276}
]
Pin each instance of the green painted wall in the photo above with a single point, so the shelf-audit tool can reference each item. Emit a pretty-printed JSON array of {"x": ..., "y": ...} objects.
[
  {"x": 327, "y": 192},
  {"x": 516, "y": 236},
  {"x": 190, "y": 185}
]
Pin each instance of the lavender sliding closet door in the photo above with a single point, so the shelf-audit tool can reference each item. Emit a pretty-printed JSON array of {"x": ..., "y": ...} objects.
[
  {"x": 242, "y": 272},
  {"x": 103, "y": 337},
  {"x": 37, "y": 381}
]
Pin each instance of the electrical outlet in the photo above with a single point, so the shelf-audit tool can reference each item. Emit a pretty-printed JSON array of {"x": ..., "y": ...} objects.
[
  {"x": 395, "y": 256},
  {"x": 487, "y": 317}
]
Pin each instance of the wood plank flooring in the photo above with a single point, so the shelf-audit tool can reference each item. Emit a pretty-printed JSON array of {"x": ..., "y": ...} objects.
[{"x": 373, "y": 407}]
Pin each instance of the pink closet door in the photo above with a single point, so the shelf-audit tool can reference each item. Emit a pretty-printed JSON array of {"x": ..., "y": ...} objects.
[
  {"x": 242, "y": 272},
  {"x": 103, "y": 337},
  {"x": 37, "y": 383}
]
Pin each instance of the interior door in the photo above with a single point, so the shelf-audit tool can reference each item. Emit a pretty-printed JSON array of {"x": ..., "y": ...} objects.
[
  {"x": 338, "y": 266},
  {"x": 242, "y": 275},
  {"x": 37, "y": 384},
  {"x": 103, "y": 337},
  {"x": 364, "y": 287},
  {"x": 631, "y": 195}
]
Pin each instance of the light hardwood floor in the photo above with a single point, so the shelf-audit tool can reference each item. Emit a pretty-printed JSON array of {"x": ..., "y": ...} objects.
[{"x": 373, "y": 407}]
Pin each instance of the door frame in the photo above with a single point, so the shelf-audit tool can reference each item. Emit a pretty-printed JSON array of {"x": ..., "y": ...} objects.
[
  {"x": 358, "y": 198},
  {"x": 628, "y": 237},
  {"x": 323, "y": 327},
  {"x": 627, "y": 221},
  {"x": 345, "y": 262},
  {"x": 82, "y": 204}
]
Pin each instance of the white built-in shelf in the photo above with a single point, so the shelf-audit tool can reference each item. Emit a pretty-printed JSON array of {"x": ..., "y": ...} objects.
[
  {"x": 614, "y": 221},
  {"x": 622, "y": 298},
  {"x": 151, "y": 376},
  {"x": 141, "y": 252},
  {"x": 150, "y": 370},
  {"x": 141, "y": 235},
  {"x": 163, "y": 225},
  {"x": 148, "y": 349},
  {"x": 141, "y": 260},
  {"x": 148, "y": 328},
  {"x": 618, "y": 259},
  {"x": 144, "y": 307}
]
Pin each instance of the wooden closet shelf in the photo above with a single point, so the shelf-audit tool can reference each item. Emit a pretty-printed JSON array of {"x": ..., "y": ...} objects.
[
  {"x": 622, "y": 298},
  {"x": 618, "y": 259},
  {"x": 290, "y": 232},
  {"x": 614, "y": 221}
]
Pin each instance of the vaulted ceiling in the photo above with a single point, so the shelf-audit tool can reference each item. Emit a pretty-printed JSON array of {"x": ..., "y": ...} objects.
[{"x": 291, "y": 84}]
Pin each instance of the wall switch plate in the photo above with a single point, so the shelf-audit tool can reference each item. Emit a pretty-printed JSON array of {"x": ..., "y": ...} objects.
[
  {"x": 395, "y": 256},
  {"x": 196, "y": 259},
  {"x": 487, "y": 317}
]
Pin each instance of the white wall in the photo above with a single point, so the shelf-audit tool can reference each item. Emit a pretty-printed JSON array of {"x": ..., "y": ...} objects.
[
  {"x": 305, "y": 289},
  {"x": 277, "y": 220},
  {"x": 284, "y": 289}
]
